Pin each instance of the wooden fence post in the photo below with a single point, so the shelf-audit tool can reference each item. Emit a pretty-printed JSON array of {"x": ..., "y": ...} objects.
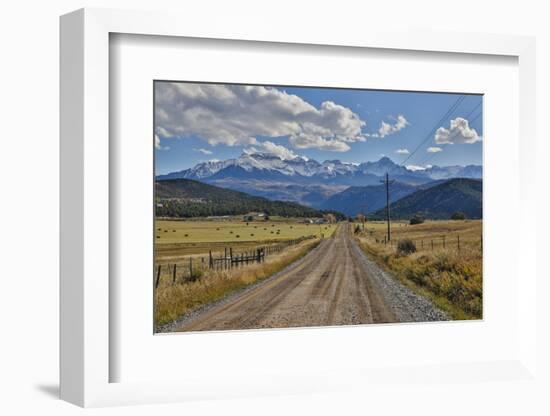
[
  {"x": 210, "y": 263},
  {"x": 190, "y": 268},
  {"x": 158, "y": 277},
  {"x": 174, "y": 275},
  {"x": 458, "y": 242}
]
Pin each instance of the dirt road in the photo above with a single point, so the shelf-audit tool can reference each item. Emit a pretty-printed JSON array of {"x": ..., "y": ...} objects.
[{"x": 334, "y": 284}]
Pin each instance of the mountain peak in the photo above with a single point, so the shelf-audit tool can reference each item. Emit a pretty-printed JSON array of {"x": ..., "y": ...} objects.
[{"x": 256, "y": 164}]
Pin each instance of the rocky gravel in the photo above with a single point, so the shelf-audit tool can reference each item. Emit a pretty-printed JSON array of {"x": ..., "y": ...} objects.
[{"x": 404, "y": 303}]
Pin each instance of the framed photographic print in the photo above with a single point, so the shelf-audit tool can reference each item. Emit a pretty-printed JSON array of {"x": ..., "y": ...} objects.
[
  {"x": 280, "y": 207},
  {"x": 240, "y": 220}
]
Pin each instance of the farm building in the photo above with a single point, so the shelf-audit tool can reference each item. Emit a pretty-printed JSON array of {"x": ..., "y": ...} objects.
[{"x": 252, "y": 216}]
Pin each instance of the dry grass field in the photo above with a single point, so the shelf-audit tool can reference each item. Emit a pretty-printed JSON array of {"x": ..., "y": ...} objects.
[
  {"x": 450, "y": 273},
  {"x": 179, "y": 240},
  {"x": 446, "y": 265},
  {"x": 176, "y": 239},
  {"x": 467, "y": 231},
  {"x": 173, "y": 301}
]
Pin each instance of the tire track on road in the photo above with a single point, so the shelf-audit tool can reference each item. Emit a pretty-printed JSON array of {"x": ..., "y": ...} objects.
[{"x": 334, "y": 284}]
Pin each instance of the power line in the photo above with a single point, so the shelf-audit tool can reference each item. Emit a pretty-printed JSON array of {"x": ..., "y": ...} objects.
[
  {"x": 429, "y": 157},
  {"x": 449, "y": 112},
  {"x": 388, "y": 182}
]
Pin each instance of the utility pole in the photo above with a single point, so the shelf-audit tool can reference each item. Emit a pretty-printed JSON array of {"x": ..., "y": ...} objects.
[{"x": 387, "y": 182}]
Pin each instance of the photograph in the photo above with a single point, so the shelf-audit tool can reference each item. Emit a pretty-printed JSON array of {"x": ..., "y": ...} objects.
[{"x": 284, "y": 206}]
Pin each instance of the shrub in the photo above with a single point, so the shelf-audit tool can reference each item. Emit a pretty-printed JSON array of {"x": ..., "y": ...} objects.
[
  {"x": 405, "y": 247},
  {"x": 195, "y": 275},
  {"x": 417, "y": 219},
  {"x": 458, "y": 216}
]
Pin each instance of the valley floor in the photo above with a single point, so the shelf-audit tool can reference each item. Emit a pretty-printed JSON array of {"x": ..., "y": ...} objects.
[{"x": 333, "y": 284}]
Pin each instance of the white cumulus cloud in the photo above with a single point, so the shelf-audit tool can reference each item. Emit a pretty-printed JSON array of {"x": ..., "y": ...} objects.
[
  {"x": 236, "y": 115},
  {"x": 273, "y": 149},
  {"x": 203, "y": 151},
  {"x": 399, "y": 123},
  {"x": 415, "y": 167},
  {"x": 434, "y": 149},
  {"x": 311, "y": 141},
  {"x": 458, "y": 132},
  {"x": 158, "y": 146},
  {"x": 402, "y": 151}
]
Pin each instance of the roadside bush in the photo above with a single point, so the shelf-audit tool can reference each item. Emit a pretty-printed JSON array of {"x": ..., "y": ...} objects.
[
  {"x": 196, "y": 275},
  {"x": 458, "y": 216},
  {"x": 417, "y": 219},
  {"x": 406, "y": 247}
]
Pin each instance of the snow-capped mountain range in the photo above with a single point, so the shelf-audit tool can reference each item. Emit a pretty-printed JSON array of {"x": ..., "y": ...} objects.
[
  {"x": 307, "y": 181},
  {"x": 300, "y": 169}
]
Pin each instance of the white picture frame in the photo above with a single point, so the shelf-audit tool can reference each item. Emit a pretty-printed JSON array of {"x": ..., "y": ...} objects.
[{"x": 85, "y": 211}]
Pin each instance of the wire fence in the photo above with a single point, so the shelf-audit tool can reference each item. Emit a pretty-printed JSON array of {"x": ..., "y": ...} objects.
[
  {"x": 433, "y": 243},
  {"x": 192, "y": 268}
]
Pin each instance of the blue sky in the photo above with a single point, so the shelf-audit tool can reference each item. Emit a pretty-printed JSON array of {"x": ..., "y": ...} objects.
[{"x": 199, "y": 122}]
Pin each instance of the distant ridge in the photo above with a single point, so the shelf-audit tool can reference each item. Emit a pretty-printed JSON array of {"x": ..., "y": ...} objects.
[
  {"x": 440, "y": 201},
  {"x": 188, "y": 198},
  {"x": 366, "y": 199}
]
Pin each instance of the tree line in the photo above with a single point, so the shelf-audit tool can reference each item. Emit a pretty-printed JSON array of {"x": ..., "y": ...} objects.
[{"x": 180, "y": 208}]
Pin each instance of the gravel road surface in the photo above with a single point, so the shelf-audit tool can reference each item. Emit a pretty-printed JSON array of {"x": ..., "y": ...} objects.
[{"x": 334, "y": 284}]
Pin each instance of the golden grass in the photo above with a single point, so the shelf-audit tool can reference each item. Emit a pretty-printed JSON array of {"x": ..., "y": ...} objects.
[
  {"x": 470, "y": 232},
  {"x": 177, "y": 239},
  {"x": 173, "y": 301},
  {"x": 234, "y": 231},
  {"x": 451, "y": 278}
]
